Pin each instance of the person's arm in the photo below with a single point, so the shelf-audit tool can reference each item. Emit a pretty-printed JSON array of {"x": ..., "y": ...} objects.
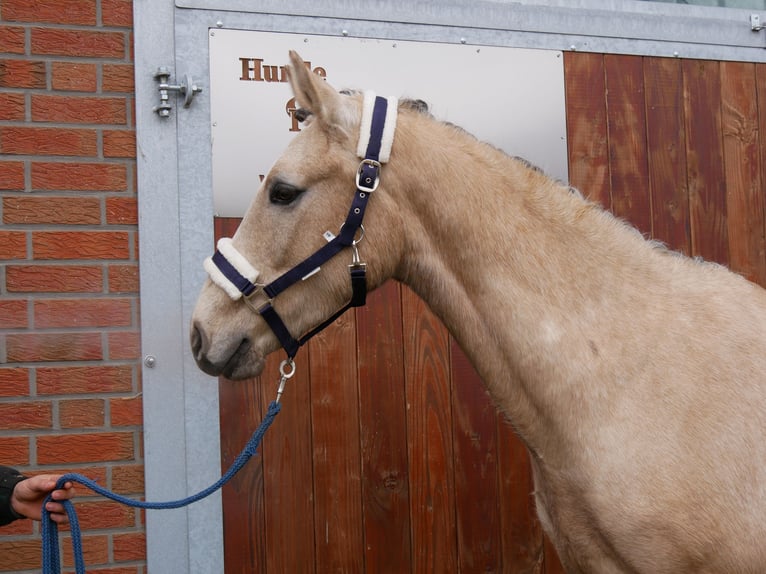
[{"x": 9, "y": 478}]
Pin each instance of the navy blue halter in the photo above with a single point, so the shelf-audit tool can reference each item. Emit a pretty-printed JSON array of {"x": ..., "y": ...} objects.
[{"x": 367, "y": 179}]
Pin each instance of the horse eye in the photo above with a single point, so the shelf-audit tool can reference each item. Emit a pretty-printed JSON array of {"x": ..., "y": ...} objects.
[{"x": 283, "y": 193}]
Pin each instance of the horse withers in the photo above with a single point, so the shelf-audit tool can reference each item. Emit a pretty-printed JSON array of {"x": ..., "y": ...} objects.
[{"x": 635, "y": 376}]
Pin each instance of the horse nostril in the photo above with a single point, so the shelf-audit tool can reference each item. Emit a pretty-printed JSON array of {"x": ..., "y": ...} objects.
[{"x": 199, "y": 342}]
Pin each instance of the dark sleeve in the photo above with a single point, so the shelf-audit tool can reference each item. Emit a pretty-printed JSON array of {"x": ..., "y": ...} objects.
[{"x": 9, "y": 478}]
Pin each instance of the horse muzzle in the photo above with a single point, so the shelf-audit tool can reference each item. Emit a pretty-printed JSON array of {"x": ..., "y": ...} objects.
[{"x": 234, "y": 358}]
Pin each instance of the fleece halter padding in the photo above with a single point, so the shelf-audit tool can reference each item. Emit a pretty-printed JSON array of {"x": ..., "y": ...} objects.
[{"x": 232, "y": 272}]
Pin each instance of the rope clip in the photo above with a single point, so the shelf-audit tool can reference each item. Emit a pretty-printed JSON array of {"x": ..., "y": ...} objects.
[{"x": 286, "y": 371}]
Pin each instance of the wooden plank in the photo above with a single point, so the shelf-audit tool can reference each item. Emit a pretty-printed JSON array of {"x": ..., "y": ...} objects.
[
  {"x": 429, "y": 435},
  {"x": 704, "y": 160},
  {"x": 288, "y": 471},
  {"x": 666, "y": 149},
  {"x": 626, "y": 117},
  {"x": 337, "y": 459},
  {"x": 760, "y": 80},
  {"x": 383, "y": 412},
  {"x": 244, "y": 529},
  {"x": 745, "y": 195},
  {"x": 476, "y": 469},
  {"x": 588, "y": 150},
  {"x": 522, "y": 536}
]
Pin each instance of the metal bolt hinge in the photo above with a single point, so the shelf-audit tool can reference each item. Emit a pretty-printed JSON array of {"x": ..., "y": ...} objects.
[
  {"x": 755, "y": 23},
  {"x": 188, "y": 89}
]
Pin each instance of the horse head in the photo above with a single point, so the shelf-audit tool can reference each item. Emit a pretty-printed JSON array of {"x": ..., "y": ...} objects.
[{"x": 306, "y": 202}]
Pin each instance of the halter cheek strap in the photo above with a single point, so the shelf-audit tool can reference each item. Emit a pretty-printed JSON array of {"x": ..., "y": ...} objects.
[{"x": 231, "y": 271}]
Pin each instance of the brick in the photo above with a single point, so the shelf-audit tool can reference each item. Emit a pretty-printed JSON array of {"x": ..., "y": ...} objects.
[
  {"x": 81, "y": 245},
  {"x": 118, "y": 78},
  {"x": 12, "y": 175},
  {"x": 20, "y": 555},
  {"x": 79, "y": 176},
  {"x": 129, "y": 547},
  {"x": 82, "y": 413},
  {"x": 54, "y": 210},
  {"x": 86, "y": 447},
  {"x": 14, "y": 382},
  {"x": 123, "y": 279},
  {"x": 13, "y": 314},
  {"x": 28, "y": 140},
  {"x": 13, "y": 245},
  {"x": 12, "y": 39},
  {"x": 26, "y": 415},
  {"x": 84, "y": 380},
  {"x": 78, "y": 43},
  {"x": 52, "y": 313},
  {"x": 53, "y": 278},
  {"x": 106, "y": 514},
  {"x": 18, "y": 528},
  {"x": 51, "y": 11},
  {"x": 117, "y": 13},
  {"x": 22, "y": 74},
  {"x": 124, "y": 345},
  {"x": 79, "y": 109},
  {"x": 122, "y": 211},
  {"x": 120, "y": 143},
  {"x": 14, "y": 451},
  {"x": 12, "y": 106},
  {"x": 128, "y": 479},
  {"x": 126, "y": 411},
  {"x": 28, "y": 347},
  {"x": 74, "y": 76},
  {"x": 95, "y": 548}
]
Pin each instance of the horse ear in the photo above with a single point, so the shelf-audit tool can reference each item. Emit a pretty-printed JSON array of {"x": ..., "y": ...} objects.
[{"x": 314, "y": 94}]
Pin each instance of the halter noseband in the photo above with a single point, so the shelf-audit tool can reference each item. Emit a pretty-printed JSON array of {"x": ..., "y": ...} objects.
[{"x": 231, "y": 271}]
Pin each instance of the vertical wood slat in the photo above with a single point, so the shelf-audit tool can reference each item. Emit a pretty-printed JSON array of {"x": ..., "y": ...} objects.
[
  {"x": 626, "y": 120},
  {"x": 588, "y": 151},
  {"x": 339, "y": 536},
  {"x": 429, "y": 437},
  {"x": 385, "y": 485},
  {"x": 476, "y": 480},
  {"x": 704, "y": 153},
  {"x": 288, "y": 471},
  {"x": 745, "y": 196},
  {"x": 666, "y": 152},
  {"x": 760, "y": 82}
]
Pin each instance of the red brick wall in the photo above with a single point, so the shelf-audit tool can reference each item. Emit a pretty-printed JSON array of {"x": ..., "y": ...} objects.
[{"x": 70, "y": 388}]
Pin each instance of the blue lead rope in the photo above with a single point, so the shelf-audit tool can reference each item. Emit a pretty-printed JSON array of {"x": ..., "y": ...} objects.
[{"x": 50, "y": 546}]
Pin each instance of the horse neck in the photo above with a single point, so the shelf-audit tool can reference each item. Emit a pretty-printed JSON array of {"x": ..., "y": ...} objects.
[{"x": 514, "y": 264}]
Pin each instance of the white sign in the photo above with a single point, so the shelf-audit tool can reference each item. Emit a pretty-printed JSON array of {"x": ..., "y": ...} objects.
[{"x": 510, "y": 97}]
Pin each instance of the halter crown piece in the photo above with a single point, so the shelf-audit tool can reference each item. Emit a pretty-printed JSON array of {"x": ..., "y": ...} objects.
[{"x": 232, "y": 272}]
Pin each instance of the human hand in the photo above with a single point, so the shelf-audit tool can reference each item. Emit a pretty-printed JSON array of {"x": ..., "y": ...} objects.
[{"x": 28, "y": 495}]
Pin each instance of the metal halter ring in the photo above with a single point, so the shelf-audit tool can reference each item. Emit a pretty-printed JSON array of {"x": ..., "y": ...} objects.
[
  {"x": 287, "y": 368},
  {"x": 355, "y": 242}
]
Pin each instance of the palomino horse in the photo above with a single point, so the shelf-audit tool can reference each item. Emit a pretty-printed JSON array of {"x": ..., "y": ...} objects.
[{"x": 635, "y": 376}]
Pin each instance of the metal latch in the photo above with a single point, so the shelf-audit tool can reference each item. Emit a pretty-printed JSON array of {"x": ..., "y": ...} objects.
[
  {"x": 755, "y": 23},
  {"x": 188, "y": 89}
]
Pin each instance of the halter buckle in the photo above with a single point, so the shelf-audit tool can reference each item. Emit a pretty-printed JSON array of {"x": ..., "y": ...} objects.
[
  {"x": 257, "y": 306},
  {"x": 367, "y": 176}
]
